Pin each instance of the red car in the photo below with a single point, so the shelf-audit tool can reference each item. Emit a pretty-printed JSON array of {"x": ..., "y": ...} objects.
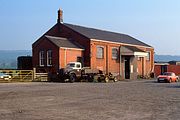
[{"x": 168, "y": 77}]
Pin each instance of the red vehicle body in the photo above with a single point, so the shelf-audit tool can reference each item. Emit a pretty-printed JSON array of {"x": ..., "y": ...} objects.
[{"x": 168, "y": 77}]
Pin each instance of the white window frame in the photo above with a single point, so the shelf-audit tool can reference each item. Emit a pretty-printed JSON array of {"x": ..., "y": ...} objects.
[
  {"x": 49, "y": 58},
  {"x": 114, "y": 57},
  {"x": 98, "y": 54},
  {"x": 41, "y": 58},
  {"x": 148, "y": 57}
]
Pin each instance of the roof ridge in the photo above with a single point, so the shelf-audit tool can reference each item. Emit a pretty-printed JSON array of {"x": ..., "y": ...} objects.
[{"x": 103, "y": 30}]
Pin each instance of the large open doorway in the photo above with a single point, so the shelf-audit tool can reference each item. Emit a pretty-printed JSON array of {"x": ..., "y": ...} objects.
[
  {"x": 127, "y": 67},
  {"x": 163, "y": 69}
]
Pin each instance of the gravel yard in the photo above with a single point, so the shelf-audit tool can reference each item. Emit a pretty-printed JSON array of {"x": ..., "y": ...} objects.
[{"x": 124, "y": 100}]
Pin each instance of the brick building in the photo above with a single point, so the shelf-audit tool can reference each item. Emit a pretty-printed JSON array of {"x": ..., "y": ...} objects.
[
  {"x": 108, "y": 51},
  {"x": 171, "y": 66}
]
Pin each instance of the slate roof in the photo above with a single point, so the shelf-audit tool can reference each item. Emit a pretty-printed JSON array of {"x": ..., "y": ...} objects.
[
  {"x": 63, "y": 42},
  {"x": 92, "y": 33}
]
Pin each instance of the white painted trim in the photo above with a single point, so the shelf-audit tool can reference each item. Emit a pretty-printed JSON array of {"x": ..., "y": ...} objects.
[
  {"x": 97, "y": 40},
  {"x": 59, "y": 52},
  {"x": 65, "y": 56},
  {"x": 72, "y": 48},
  {"x": 114, "y": 58},
  {"x": 40, "y": 58},
  {"x": 127, "y": 53},
  {"x": 139, "y": 54},
  {"x": 143, "y": 54},
  {"x": 161, "y": 63},
  {"x": 47, "y": 55},
  {"x": 103, "y": 55}
]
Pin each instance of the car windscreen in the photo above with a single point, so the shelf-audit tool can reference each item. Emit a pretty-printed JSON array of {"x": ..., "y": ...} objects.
[
  {"x": 2, "y": 74},
  {"x": 168, "y": 74},
  {"x": 71, "y": 65}
]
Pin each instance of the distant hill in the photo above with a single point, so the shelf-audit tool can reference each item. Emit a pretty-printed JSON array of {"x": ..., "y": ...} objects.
[
  {"x": 166, "y": 58},
  {"x": 8, "y": 58}
]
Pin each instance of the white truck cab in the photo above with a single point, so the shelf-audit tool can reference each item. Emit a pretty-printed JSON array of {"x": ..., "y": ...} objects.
[{"x": 74, "y": 65}]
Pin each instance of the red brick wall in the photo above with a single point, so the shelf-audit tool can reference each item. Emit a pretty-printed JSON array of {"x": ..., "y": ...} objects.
[
  {"x": 170, "y": 68},
  {"x": 66, "y": 32},
  {"x": 114, "y": 65},
  {"x": 45, "y": 45},
  {"x": 62, "y": 58},
  {"x": 174, "y": 68},
  {"x": 107, "y": 64},
  {"x": 98, "y": 63},
  {"x": 69, "y": 55},
  {"x": 60, "y": 30},
  {"x": 157, "y": 70},
  {"x": 150, "y": 64},
  {"x": 83, "y": 41},
  {"x": 58, "y": 60},
  {"x": 139, "y": 64}
]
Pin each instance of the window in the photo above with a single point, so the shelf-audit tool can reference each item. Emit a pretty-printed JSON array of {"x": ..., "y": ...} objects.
[
  {"x": 69, "y": 65},
  {"x": 49, "y": 58},
  {"x": 114, "y": 53},
  {"x": 78, "y": 66},
  {"x": 100, "y": 52},
  {"x": 41, "y": 58},
  {"x": 148, "y": 55}
]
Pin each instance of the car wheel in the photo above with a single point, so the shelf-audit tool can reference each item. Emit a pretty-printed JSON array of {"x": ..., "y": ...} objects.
[
  {"x": 72, "y": 78},
  {"x": 158, "y": 81},
  {"x": 170, "y": 80}
]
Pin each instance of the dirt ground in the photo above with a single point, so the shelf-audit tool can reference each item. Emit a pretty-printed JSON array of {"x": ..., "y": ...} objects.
[{"x": 124, "y": 100}]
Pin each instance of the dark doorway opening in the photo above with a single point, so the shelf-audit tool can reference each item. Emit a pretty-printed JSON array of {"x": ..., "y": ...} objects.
[
  {"x": 127, "y": 67},
  {"x": 81, "y": 60},
  {"x": 163, "y": 69}
]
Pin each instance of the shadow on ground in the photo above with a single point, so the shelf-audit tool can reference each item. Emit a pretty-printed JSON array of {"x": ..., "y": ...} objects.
[{"x": 174, "y": 86}]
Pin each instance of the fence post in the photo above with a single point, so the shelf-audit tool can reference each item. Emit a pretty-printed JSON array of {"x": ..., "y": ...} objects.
[
  {"x": 34, "y": 73},
  {"x": 20, "y": 75}
]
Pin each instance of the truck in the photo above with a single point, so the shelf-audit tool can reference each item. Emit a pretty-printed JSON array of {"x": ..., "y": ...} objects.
[{"x": 75, "y": 72}]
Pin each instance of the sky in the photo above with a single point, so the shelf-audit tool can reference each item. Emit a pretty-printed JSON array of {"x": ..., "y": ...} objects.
[{"x": 155, "y": 22}]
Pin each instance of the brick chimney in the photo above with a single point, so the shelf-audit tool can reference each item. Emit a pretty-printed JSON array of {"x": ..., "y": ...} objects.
[{"x": 60, "y": 16}]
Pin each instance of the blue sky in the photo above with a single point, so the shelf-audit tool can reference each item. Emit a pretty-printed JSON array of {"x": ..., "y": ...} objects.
[{"x": 156, "y": 22}]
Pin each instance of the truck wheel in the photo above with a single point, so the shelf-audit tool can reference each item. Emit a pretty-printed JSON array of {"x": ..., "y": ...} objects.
[
  {"x": 90, "y": 78},
  {"x": 72, "y": 78},
  {"x": 115, "y": 79},
  {"x": 106, "y": 79},
  {"x": 99, "y": 79}
]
